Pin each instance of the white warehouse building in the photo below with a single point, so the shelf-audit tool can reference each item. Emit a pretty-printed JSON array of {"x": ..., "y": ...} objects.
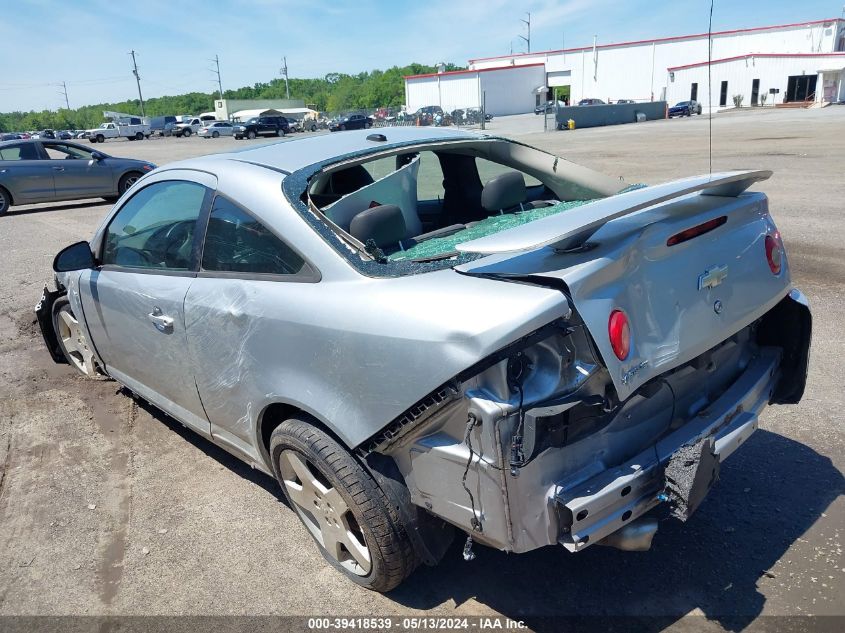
[{"x": 789, "y": 63}]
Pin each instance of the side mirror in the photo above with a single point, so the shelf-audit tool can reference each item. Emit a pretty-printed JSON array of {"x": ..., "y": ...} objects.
[
  {"x": 97, "y": 156},
  {"x": 74, "y": 257}
]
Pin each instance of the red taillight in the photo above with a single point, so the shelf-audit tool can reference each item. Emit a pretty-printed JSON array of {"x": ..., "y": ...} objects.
[
  {"x": 774, "y": 253},
  {"x": 620, "y": 334},
  {"x": 695, "y": 231}
]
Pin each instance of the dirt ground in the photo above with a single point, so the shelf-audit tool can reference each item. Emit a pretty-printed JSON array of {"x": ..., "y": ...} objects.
[{"x": 111, "y": 508}]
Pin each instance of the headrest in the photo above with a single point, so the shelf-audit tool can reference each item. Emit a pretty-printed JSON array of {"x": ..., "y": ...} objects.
[
  {"x": 384, "y": 224},
  {"x": 349, "y": 180},
  {"x": 503, "y": 192}
]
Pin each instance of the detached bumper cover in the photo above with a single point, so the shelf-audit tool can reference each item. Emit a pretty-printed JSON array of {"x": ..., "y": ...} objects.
[{"x": 44, "y": 314}]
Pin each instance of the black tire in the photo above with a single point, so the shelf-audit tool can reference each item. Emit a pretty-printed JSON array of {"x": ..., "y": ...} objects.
[
  {"x": 392, "y": 557},
  {"x": 313, "y": 128},
  {"x": 215, "y": 135},
  {"x": 251, "y": 135},
  {"x": 91, "y": 139},
  {"x": 5, "y": 201},
  {"x": 127, "y": 180},
  {"x": 342, "y": 128},
  {"x": 187, "y": 132},
  {"x": 367, "y": 125},
  {"x": 101, "y": 138},
  {"x": 139, "y": 136}
]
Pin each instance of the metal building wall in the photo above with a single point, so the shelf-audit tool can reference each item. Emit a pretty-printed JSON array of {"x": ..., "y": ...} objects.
[
  {"x": 773, "y": 72},
  {"x": 512, "y": 91},
  {"x": 638, "y": 70}
]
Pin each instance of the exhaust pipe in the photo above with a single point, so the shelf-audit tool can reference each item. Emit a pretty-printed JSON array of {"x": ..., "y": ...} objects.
[{"x": 634, "y": 537}]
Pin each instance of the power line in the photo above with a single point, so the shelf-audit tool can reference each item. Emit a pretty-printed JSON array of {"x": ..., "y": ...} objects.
[{"x": 138, "y": 81}]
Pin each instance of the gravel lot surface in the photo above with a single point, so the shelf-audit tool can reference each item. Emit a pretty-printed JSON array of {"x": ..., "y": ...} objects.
[{"x": 108, "y": 507}]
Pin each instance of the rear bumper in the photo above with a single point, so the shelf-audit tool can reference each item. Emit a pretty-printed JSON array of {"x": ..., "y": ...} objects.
[
  {"x": 612, "y": 499},
  {"x": 596, "y": 508}
]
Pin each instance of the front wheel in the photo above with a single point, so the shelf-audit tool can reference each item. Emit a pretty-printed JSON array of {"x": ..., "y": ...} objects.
[
  {"x": 127, "y": 181},
  {"x": 70, "y": 338},
  {"x": 356, "y": 528},
  {"x": 100, "y": 138},
  {"x": 187, "y": 133},
  {"x": 250, "y": 135},
  {"x": 367, "y": 125}
]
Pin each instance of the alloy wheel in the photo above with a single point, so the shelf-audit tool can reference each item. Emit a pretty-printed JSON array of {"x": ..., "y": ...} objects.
[
  {"x": 325, "y": 513},
  {"x": 74, "y": 345}
]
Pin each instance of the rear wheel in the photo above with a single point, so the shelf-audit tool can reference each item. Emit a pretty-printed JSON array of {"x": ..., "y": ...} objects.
[
  {"x": 127, "y": 180},
  {"x": 139, "y": 136},
  {"x": 356, "y": 528},
  {"x": 5, "y": 201},
  {"x": 215, "y": 135},
  {"x": 70, "y": 337}
]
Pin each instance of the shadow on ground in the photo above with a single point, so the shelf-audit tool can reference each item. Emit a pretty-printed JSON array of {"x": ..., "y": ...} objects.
[
  {"x": 58, "y": 207},
  {"x": 770, "y": 492}
]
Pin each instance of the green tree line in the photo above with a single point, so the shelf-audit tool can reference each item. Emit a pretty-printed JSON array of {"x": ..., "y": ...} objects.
[{"x": 336, "y": 92}]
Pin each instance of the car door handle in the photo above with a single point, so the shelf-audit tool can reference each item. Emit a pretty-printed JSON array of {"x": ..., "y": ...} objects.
[
  {"x": 162, "y": 322},
  {"x": 58, "y": 168}
]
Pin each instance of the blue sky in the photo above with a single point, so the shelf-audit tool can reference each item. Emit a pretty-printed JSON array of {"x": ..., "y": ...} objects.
[{"x": 86, "y": 42}]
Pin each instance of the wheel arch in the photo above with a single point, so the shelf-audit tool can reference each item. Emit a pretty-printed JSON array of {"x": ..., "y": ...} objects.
[
  {"x": 5, "y": 187},
  {"x": 274, "y": 413}
]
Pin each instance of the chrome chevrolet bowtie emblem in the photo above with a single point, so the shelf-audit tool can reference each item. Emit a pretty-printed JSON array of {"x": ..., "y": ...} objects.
[{"x": 712, "y": 277}]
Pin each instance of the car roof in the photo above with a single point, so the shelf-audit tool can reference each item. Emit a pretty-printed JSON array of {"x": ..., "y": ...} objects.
[{"x": 295, "y": 154}]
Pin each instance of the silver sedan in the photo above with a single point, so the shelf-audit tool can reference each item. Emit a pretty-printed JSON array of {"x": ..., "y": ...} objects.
[
  {"x": 216, "y": 129},
  {"x": 421, "y": 330},
  {"x": 51, "y": 171}
]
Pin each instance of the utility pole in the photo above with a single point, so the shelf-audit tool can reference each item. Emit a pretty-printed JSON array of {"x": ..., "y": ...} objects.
[
  {"x": 527, "y": 39},
  {"x": 64, "y": 92},
  {"x": 216, "y": 60},
  {"x": 284, "y": 71},
  {"x": 138, "y": 81}
]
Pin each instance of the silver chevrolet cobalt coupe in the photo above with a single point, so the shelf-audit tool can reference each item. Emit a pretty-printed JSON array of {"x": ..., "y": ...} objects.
[{"x": 425, "y": 331}]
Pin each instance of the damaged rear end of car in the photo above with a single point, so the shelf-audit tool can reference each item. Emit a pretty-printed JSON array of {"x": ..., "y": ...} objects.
[{"x": 683, "y": 325}]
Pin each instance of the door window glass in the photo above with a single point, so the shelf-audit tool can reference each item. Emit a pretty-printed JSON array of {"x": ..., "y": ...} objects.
[
  {"x": 155, "y": 229},
  {"x": 237, "y": 242},
  {"x": 25, "y": 151},
  {"x": 57, "y": 151}
]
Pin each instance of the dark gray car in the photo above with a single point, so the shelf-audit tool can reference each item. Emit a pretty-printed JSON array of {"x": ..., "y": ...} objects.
[{"x": 51, "y": 171}]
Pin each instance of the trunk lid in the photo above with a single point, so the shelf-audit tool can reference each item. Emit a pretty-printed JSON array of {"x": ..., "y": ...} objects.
[{"x": 681, "y": 300}]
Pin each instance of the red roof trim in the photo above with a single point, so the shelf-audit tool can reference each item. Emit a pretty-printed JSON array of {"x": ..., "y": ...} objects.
[
  {"x": 731, "y": 59},
  {"x": 468, "y": 71},
  {"x": 657, "y": 40}
]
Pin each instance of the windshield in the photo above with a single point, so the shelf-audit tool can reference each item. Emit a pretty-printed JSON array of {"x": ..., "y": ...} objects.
[{"x": 681, "y": 104}]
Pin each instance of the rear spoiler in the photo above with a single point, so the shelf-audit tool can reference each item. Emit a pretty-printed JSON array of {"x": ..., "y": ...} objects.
[{"x": 572, "y": 228}]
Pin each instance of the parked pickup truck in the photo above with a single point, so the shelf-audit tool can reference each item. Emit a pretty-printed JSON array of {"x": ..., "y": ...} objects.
[
  {"x": 188, "y": 127},
  {"x": 132, "y": 128}
]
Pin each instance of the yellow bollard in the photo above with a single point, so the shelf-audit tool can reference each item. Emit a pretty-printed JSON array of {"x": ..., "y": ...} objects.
[{"x": 570, "y": 124}]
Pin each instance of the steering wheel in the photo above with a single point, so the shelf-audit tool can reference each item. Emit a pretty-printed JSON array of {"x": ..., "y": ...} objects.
[
  {"x": 143, "y": 255},
  {"x": 177, "y": 236}
]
